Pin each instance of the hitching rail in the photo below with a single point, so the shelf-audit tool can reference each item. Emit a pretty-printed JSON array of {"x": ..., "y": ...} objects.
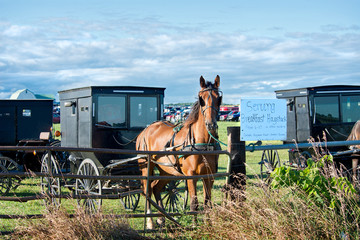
[{"x": 301, "y": 145}]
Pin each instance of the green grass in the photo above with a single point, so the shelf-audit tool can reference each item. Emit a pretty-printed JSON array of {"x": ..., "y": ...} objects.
[{"x": 32, "y": 186}]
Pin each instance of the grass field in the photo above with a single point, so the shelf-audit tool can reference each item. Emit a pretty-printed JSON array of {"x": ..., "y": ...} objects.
[{"x": 32, "y": 186}]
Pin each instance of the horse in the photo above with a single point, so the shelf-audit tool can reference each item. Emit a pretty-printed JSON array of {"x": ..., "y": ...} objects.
[
  {"x": 353, "y": 136},
  {"x": 195, "y": 133}
]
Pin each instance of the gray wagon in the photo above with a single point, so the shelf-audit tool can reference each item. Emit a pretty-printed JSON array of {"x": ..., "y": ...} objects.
[{"x": 323, "y": 112}]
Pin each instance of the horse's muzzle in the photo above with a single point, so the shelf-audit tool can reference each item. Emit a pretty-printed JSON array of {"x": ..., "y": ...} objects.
[{"x": 211, "y": 126}]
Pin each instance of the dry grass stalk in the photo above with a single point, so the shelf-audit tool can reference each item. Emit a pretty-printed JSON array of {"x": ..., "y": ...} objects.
[{"x": 58, "y": 225}]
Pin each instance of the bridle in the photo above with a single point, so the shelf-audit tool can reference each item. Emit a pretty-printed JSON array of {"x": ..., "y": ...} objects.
[
  {"x": 204, "y": 108},
  {"x": 210, "y": 97}
]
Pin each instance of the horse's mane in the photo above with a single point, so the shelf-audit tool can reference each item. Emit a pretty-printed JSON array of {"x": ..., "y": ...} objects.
[{"x": 194, "y": 114}]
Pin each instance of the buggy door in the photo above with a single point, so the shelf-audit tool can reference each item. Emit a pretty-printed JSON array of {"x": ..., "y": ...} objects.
[
  {"x": 302, "y": 119},
  {"x": 7, "y": 126}
]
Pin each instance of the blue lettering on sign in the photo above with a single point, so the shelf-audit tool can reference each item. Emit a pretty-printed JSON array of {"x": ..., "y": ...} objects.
[{"x": 262, "y": 107}]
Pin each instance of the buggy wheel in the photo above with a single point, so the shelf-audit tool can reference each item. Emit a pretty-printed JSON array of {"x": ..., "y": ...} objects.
[
  {"x": 131, "y": 201},
  {"x": 12, "y": 167},
  {"x": 269, "y": 161},
  {"x": 175, "y": 198},
  {"x": 300, "y": 159},
  {"x": 5, "y": 182},
  {"x": 88, "y": 186},
  {"x": 50, "y": 186}
]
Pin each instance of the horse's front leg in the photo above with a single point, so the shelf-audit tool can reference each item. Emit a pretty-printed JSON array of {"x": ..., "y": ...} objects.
[
  {"x": 207, "y": 186},
  {"x": 194, "y": 203}
]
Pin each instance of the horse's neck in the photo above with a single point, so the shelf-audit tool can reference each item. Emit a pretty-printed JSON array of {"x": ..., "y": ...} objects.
[{"x": 199, "y": 131}]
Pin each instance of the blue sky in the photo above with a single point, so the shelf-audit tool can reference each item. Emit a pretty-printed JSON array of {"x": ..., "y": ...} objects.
[{"x": 256, "y": 47}]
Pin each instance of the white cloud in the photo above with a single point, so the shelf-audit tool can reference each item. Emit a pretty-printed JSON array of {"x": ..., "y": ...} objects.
[
  {"x": 17, "y": 31},
  {"x": 72, "y": 54}
]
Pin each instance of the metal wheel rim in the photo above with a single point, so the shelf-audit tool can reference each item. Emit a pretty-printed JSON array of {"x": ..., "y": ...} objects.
[
  {"x": 5, "y": 182},
  {"x": 50, "y": 185},
  {"x": 173, "y": 199},
  {"x": 131, "y": 201},
  {"x": 11, "y": 166},
  {"x": 269, "y": 161},
  {"x": 88, "y": 187}
]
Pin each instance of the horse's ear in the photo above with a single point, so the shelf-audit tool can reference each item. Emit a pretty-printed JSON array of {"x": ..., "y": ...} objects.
[
  {"x": 217, "y": 81},
  {"x": 202, "y": 82}
]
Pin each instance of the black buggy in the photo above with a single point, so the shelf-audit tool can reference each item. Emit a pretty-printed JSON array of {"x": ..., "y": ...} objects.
[
  {"x": 23, "y": 123},
  {"x": 325, "y": 113}
]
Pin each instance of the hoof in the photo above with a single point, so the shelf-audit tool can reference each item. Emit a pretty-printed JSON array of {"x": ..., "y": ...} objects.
[
  {"x": 150, "y": 225},
  {"x": 160, "y": 222}
]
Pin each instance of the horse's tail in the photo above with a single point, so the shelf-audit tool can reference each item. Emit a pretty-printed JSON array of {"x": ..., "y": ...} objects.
[{"x": 353, "y": 134}]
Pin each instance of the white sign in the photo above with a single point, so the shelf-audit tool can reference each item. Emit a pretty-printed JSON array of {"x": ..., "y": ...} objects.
[{"x": 263, "y": 119}]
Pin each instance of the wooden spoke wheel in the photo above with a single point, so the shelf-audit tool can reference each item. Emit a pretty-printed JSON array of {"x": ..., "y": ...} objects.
[
  {"x": 88, "y": 187},
  {"x": 131, "y": 201},
  {"x": 269, "y": 161},
  {"x": 175, "y": 196},
  {"x": 50, "y": 185},
  {"x": 5, "y": 182},
  {"x": 12, "y": 167}
]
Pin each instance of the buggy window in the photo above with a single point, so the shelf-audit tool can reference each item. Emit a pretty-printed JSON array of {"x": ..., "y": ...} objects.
[
  {"x": 144, "y": 111},
  {"x": 350, "y": 106},
  {"x": 111, "y": 111},
  {"x": 326, "y": 109}
]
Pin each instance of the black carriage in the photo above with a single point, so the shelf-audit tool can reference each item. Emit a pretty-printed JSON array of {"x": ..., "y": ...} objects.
[
  {"x": 23, "y": 123},
  {"x": 325, "y": 113},
  {"x": 104, "y": 117}
]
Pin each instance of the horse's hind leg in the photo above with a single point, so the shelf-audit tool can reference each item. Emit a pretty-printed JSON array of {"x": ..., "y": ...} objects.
[
  {"x": 157, "y": 188},
  {"x": 144, "y": 172},
  {"x": 355, "y": 161}
]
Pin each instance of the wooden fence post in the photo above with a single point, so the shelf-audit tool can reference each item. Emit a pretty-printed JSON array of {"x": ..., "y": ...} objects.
[{"x": 236, "y": 148}]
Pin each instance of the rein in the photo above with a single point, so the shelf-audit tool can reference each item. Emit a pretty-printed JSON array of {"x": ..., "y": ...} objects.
[{"x": 216, "y": 109}]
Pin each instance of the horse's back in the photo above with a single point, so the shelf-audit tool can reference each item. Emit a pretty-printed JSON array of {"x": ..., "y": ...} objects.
[{"x": 155, "y": 136}]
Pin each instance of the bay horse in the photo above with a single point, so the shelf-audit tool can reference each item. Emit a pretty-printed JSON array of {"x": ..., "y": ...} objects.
[
  {"x": 353, "y": 136},
  {"x": 196, "y": 133}
]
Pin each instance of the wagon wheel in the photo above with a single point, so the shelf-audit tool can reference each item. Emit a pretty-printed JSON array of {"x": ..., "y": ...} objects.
[
  {"x": 12, "y": 167},
  {"x": 50, "y": 185},
  {"x": 175, "y": 198},
  {"x": 61, "y": 157},
  {"x": 88, "y": 186},
  {"x": 269, "y": 161},
  {"x": 5, "y": 182},
  {"x": 302, "y": 158},
  {"x": 131, "y": 201}
]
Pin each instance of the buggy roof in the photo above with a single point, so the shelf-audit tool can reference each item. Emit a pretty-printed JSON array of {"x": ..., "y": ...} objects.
[
  {"x": 91, "y": 90},
  {"x": 326, "y": 89}
]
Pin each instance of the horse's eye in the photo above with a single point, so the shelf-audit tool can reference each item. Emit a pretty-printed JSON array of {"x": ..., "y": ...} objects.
[{"x": 201, "y": 101}]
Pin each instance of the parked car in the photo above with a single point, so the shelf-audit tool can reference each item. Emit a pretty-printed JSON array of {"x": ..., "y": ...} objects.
[
  {"x": 233, "y": 116},
  {"x": 223, "y": 115}
]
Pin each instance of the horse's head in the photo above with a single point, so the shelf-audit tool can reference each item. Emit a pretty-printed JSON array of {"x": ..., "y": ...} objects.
[{"x": 210, "y": 100}]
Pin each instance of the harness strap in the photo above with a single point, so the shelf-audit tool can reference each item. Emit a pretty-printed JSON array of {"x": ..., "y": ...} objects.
[{"x": 201, "y": 147}]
